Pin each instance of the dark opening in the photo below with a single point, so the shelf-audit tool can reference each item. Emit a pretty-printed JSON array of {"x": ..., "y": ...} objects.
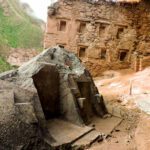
[
  {"x": 46, "y": 82},
  {"x": 123, "y": 56},
  {"x": 86, "y": 110},
  {"x": 102, "y": 28},
  {"x": 62, "y": 26},
  {"x": 82, "y": 27},
  {"x": 103, "y": 54},
  {"x": 120, "y": 31},
  {"x": 82, "y": 52},
  {"x": 147, "y": 54},
  {"x": 61, "y": 46}
]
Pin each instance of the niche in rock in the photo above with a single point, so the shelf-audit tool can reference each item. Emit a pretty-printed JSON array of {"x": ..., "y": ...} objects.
[{"x": 46, "y": 82}]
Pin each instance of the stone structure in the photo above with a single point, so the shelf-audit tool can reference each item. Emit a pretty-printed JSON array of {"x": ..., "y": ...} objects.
[
  {"x": 104, "y": 34},
  {"x": 52, "y": 85}
]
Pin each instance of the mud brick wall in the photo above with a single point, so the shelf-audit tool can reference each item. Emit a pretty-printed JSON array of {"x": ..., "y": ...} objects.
[{"x": 104, "y": 35}]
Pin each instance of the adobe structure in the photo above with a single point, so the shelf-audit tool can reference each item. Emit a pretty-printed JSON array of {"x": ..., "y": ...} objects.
[{"x": 104, "y": 34}]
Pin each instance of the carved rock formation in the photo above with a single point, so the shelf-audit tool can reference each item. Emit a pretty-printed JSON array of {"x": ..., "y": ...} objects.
[{"x": 53, "y": 85}]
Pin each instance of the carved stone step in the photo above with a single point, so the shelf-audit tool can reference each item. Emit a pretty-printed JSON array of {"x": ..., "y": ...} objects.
[
  {"x": 65, "y": 132},
  {"x": 88, "y": 139}
]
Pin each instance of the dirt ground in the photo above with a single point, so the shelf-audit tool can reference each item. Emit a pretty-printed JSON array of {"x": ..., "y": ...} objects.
[{"x": 126, "y": 95}]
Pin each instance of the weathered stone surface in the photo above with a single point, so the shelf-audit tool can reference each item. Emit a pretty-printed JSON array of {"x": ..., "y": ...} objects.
[
  {"x": 7, "y": 104},
  {"x": 41, "y": 90},
  {"x": 15, "y": 131},
  {"x": 70, "y": 132}
]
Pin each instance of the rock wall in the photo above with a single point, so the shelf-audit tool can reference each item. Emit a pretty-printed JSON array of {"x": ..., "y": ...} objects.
[
  {"x": 105, "y": 35},
  {"x": 18, "y": 124}
]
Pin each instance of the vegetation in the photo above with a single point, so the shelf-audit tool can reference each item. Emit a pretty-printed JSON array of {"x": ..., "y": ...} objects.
[
  {"x": 17, "y": 30},
  {"x": 4, "y": 66},
  {"x": 20, "y": 30}
]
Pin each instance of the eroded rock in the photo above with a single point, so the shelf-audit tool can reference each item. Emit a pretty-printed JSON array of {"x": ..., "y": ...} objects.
[{"x": 49, "y": 86}]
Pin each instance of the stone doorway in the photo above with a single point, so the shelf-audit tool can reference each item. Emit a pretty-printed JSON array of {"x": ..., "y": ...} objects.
[{"x": 46, "y": 82}]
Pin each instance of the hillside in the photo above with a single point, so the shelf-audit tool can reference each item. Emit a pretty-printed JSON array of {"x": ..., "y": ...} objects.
[{"x": 17, "y": 28}]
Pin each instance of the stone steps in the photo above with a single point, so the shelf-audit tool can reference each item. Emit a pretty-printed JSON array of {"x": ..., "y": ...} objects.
[
  {"x": 66, "y": 133},
  {"x": 88, "y": 139}
]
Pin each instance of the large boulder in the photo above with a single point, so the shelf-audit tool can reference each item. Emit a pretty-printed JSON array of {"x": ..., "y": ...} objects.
[{"x": 54, "y": 84}]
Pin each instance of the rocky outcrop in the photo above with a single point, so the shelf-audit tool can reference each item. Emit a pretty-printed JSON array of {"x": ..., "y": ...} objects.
[{"x": 52, "y": 85}]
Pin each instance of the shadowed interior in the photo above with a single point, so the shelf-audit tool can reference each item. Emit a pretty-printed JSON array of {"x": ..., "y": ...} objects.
[{"x": 46, "y": 82}]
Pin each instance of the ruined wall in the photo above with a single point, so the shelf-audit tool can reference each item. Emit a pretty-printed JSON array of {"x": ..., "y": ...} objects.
[
  {"x": 143, "y": 32},
  {"x": 103, "y": 34}
]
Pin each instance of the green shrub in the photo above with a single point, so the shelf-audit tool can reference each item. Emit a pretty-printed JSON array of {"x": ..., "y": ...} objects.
[
  {"x": 20, "y": 30},
  {"x": 17, "y": 30},
  {"x": 4, "y": 66}
]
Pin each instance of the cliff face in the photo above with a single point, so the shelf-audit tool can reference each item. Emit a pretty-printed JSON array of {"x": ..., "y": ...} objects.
[{"x": 104, "y": 34}]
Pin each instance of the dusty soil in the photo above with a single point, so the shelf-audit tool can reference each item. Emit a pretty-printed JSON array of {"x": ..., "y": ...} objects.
[
  {"x": 122, "y": 138},
  {"x": 126, "y": 95}
]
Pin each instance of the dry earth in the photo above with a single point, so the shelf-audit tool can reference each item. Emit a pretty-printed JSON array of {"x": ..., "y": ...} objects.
[{"x": 127, "y": 95}]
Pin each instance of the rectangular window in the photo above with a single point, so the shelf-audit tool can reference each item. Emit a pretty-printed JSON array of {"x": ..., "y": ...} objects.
[
  {"x": 119, "y": 32},
  {"x": 62, "y": 26},
  {"x": 82, "y": 27},
  {"x": 123, "y": 55},
  {"x": 103, "y": 54},
  {"x": 102, "y": 28},
  {"x": 82, "y": 51}
]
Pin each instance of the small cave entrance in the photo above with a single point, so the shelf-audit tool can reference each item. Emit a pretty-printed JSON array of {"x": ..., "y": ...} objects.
[
  {"x": 85, "y": 101},
  {"x": 46, "y": 82}
]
